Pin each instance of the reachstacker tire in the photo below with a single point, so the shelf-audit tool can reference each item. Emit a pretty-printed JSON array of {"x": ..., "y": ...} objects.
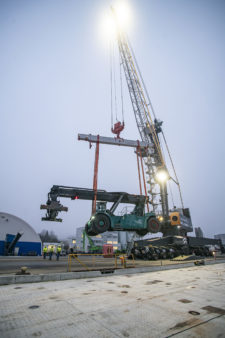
[
  {"x": 101, "y": 223},
  {"x": 153, "y": 225},
  {"x": 141, "y": 232},
  {"x": 90, "y": 232}
]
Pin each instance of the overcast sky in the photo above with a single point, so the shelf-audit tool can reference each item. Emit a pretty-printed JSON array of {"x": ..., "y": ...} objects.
[{"x": 55, "y": 83}]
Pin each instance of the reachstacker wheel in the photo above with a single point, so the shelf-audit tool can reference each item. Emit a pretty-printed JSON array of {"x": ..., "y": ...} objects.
[
  {"x": 153, "y": 225},
  {"x": 141, "y": 232},
  {"x": 90, "y": 232},
  {"x": 101, "y": 223}
]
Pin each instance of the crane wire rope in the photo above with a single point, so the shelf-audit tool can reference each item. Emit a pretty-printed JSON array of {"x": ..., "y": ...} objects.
[
  {"x": 143, "y": 176},
  {"x": 140, "y": 158},
  {"x": 150, "y": 104},
  {"x": 171, "y": 193},
  {"x": 143, "y": 102},
  {"x": 111, "y": 82},
  {"x": 175, "y": 174},
  {"x": 121, "y": 89},
  {"x": 139, "y": 175},
  {"x": 114, "y": 82},
  {"x": 142, "y": 80}
]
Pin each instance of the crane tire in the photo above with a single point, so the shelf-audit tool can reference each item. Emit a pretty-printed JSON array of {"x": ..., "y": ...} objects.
[
  {"x": 101, "y": 223},
  {"x": 153, "y": 225}
]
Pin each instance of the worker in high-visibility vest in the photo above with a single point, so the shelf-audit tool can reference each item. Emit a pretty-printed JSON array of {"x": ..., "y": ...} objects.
[
  {"x": 58, "y": 252},
  {"x": 51, "y": 252},
  {"x": 45, "y": 250}
]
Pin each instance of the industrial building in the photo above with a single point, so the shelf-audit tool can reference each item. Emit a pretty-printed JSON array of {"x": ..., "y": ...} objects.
[
  {"x": 199, "y": 232},
  {"x": 18, "y": 237},
  {"x": 118, "y": 239},
  {"x": 221, "y": 237}
]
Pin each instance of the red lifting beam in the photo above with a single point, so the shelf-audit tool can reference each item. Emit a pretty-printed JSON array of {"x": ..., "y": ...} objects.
[{"x": 95, "y": 180}]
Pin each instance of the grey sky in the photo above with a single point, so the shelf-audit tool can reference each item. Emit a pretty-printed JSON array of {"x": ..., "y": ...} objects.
[{"x": 54, "y": 84}]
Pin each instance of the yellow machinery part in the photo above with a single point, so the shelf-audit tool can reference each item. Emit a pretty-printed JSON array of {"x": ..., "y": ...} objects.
[{"x": 175, "y": 218}]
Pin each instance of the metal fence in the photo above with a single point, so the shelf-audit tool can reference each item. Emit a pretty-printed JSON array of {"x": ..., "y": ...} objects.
[{"x": 90, "y": 262}]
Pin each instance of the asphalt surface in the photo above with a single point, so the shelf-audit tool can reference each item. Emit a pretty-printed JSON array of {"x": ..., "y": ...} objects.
[
  {"x": 11, "y": 265},
  {"x": 37, "y": 265}
]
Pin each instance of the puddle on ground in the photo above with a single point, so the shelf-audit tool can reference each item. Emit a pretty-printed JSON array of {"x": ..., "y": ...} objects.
[
  {"x": 18, "y": 287},
  {"x": 32, "y": 307},
  {"x": 37, "y": 334},
  {"x": 213, "y": 309},
  {"x": 153, "y": 282},
  {"x": 184, "y": 300},
  {"x": 186, "y": 323}
]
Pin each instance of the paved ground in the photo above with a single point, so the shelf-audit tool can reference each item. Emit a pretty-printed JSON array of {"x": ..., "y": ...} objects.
[
  {"x": 155, "y": 304},
  {"x": 37, "y": 265}
]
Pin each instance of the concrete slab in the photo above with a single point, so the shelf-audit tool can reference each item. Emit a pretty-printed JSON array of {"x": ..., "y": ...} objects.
[{"x": 155, "y": 304}]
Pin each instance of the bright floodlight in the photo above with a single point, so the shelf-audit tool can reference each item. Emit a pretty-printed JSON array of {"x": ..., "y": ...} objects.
[
  {"x": 162, "y": 176},
  {"x": 115, "y": 19},
  {"x": 123, "y": 13},
  {"x": 108, "y": 26}
]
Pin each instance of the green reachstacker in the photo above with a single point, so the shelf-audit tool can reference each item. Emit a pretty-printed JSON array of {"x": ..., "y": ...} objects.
[{"x": 104, "y": 219}]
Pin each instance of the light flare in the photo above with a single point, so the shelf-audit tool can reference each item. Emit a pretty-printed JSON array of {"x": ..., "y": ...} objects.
[
  {"x": 162, "y": 176},
  {"x": 122, "y": 13},
  {"x": 115, "y": 19}
]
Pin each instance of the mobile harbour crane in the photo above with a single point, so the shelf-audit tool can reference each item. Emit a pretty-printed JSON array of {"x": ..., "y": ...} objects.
[
  {"x": 178, "y": 222},
  {"x": 171, "y": 223}
]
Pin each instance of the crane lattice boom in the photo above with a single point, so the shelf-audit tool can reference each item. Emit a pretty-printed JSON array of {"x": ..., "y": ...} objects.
[{"x": 147, "y": 128}]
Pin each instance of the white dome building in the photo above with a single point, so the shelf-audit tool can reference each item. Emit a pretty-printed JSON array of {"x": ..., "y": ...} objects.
[{"x": 28, "y": 244}]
